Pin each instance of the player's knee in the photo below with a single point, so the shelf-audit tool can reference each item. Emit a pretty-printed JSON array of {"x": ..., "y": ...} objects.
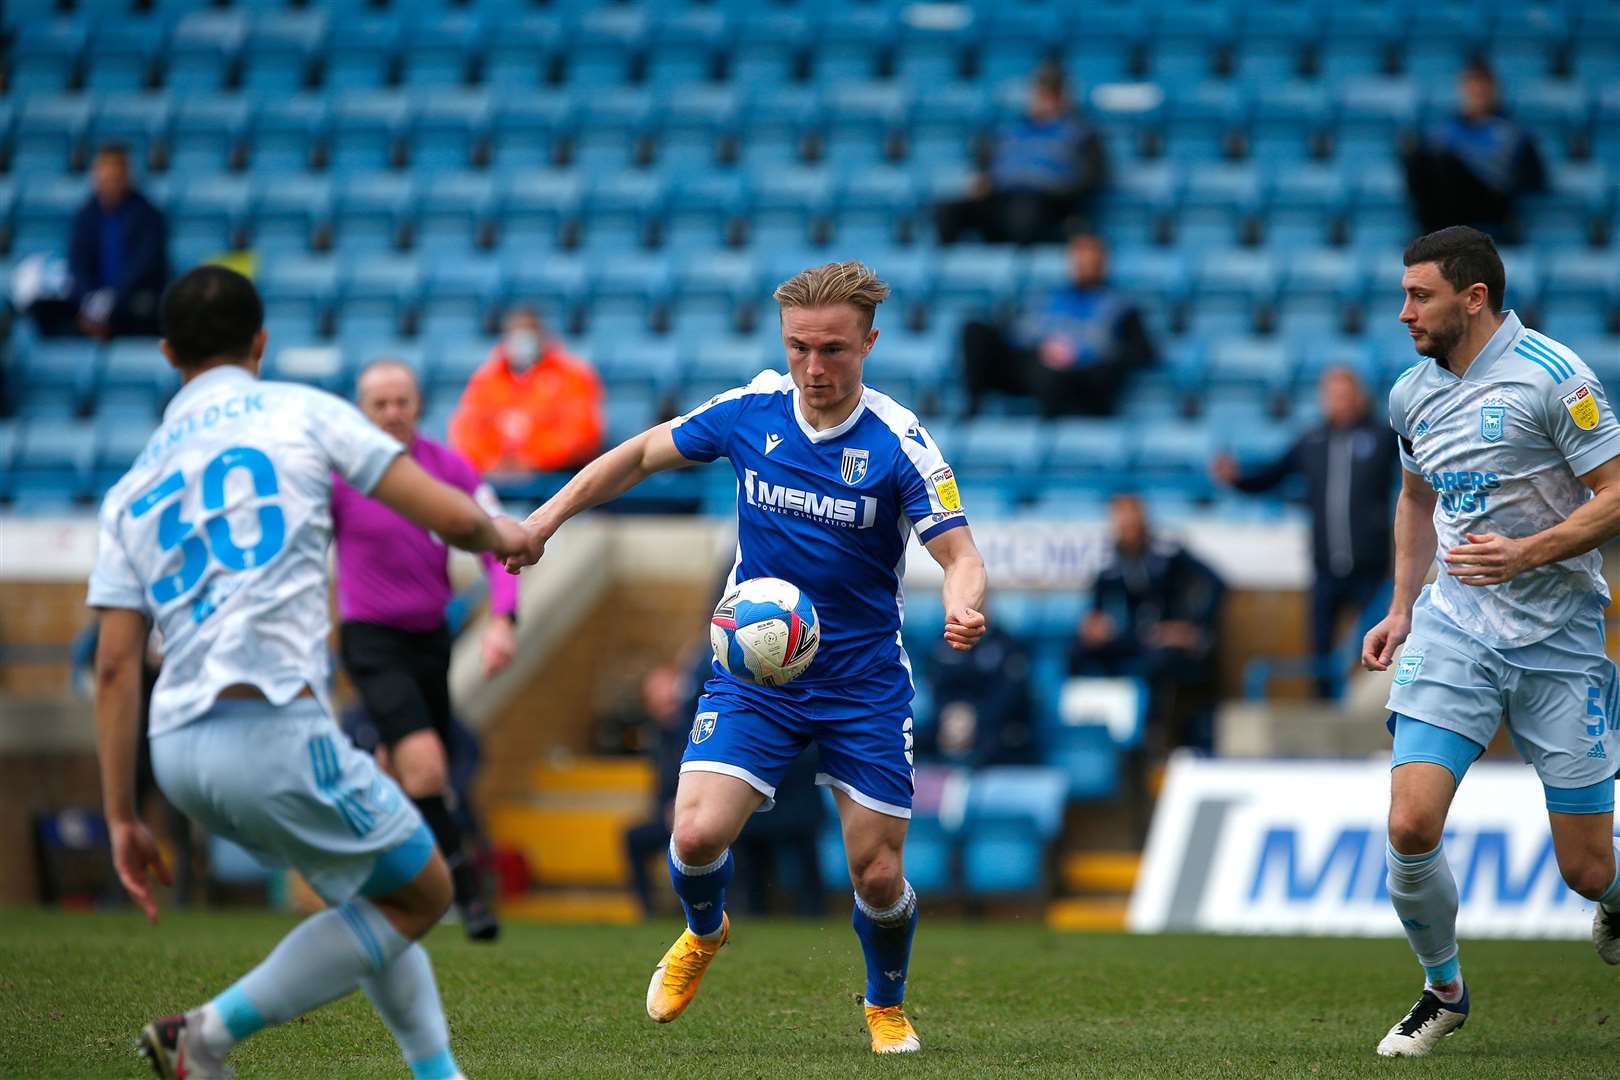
[
  {"x": 698, "y": 840},
  {"x": 421, "y": 767},
  {"x": 877, "y": 875},
  {"x": 1413, "y": 832},
  {"x": 1590, "y": 878}
]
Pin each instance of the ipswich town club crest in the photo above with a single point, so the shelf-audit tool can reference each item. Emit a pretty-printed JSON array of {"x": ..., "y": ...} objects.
[
  {"x": 1408, "y": 668},
  {"x": 853, "y": 469},
  {"x": 1492, "y": 416}
]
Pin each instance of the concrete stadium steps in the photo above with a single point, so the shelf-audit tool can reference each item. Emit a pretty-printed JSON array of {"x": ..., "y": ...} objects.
[
  {"x": 613, "y": 906},
  {"x": 1086, "y": 914},
  {"x": 1101, "y": 884}
]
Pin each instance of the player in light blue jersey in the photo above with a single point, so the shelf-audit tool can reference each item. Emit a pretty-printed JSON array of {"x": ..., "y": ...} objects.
[
  {"x": 1510, "y": 457},
  {"x": 832, "y": 480},
  {"x": 218, "y": 534}
]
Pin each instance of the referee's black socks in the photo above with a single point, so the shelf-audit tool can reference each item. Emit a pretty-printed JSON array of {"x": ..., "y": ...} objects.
[{"x": 437, "y": 815}]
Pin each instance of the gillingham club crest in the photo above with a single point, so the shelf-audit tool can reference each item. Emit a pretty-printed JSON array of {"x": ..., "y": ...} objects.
[
  {"x": 703, "y": 725},
  {"x": 1492, "y": 418},
  {"x": 853, "y": 468}
]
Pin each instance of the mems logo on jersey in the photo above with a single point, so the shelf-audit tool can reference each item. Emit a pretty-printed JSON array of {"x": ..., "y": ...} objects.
[{"x": 1582, "y": 406}]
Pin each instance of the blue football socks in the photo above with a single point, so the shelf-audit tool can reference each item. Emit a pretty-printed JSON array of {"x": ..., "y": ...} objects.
[
  {"x": 886, "y": 935},
  {"x": 702, "y": 890}
]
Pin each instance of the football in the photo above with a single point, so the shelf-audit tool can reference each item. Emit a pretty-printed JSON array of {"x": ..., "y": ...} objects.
[{"x": 766, "y": 631}]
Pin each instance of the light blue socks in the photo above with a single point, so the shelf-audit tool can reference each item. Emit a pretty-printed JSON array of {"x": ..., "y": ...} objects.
[{"x": 1424, "y": 894}]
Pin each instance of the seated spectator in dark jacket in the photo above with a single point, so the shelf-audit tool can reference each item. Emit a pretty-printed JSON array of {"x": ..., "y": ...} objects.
[
  {"x": 981, "y": 703},
  {"x": 1472, "y": 169},
  {"x": 1154, "y": 615},
  {"x": 118, "y": 258},
  {"x": 1072, "y": 350},
  {"x": 1044, "y": 171}
]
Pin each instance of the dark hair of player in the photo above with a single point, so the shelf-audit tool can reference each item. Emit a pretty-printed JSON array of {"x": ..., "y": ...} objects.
[
  {"x": 211, "y": 313},
  {"x": 1465, "y": 256}
]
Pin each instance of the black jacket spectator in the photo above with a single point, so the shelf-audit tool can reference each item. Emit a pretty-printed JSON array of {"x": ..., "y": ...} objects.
[
  {"x": 1154, "y": 615},
  {"x": 1073, "y": 350},
  {"x": 122, "y": 253},
  {"x": 981, "y": 703},
  {"x": 1348, "y": 464}
]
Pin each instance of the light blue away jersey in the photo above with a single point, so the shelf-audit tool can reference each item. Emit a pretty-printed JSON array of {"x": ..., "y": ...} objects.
[
  {"x": 1503, "y": 448},
  {"x": 832, "y": 512},
  {"x": 219, "y": 534}
]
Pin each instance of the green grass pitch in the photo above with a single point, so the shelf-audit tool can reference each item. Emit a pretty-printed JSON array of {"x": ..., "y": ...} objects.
[{"x": 991, "y": 1000}]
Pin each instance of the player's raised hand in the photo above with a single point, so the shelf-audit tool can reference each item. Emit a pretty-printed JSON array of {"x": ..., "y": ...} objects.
[
  {"x": 1487, "y": 560},
  {"x": 963, "y": 628},
  {"x": 529, "y": 549},
  {"x": 136, "y": 857},
  {"x": 1378, "y": 647}
]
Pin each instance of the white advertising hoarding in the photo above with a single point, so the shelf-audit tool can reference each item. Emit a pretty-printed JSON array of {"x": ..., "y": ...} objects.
[{"x": 1297, "y": 847}]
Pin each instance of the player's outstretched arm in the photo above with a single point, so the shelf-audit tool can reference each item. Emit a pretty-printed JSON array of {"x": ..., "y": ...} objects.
[
  {"x": 603, "y": 480},
  {"x": 1490, "y": 559},
  {"x": 407, "y": 489},
  {"x": 120, "y": 649},
  {"x": 1415, "y": 544},
  {"x": 965, "y": 585}
]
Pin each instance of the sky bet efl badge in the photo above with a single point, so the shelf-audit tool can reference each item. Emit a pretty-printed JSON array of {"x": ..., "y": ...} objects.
[
  {"x": 1491, "y": 416},
  {"x": 944, "y": 482},
  {"x": 1582, "y": 406}
]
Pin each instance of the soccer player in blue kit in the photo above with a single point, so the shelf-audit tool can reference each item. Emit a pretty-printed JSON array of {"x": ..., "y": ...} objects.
[
  {"x": 832, "y": 478},
  {"x": 1510, "y": 458}
]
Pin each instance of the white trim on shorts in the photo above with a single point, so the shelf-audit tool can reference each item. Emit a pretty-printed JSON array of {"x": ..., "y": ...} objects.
[
  {"x": 725, "y": 769},
  {"x": 863, "y": 799}
]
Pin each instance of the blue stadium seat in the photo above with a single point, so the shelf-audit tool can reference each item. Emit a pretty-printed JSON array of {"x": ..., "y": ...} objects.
[
  {"x": 287, "y": 210},
  {"x": 212, "y": 207},
  {"x": 1101, "y": 44},
  {"x": 520, "y": 55},
  {"x": 685, "y": 47},
  {"x": 1273, "y": 38},
  {"x": 204, "y": 133},
  {"x": 860, "y": 119},
  {"x": 1304, "y": 200},
  {"x": 1200, "y": 118},
  {"x": 48, "y": 128},
  {"x": 1259, "y": 363},
  {"x": 55, "y": 375},
  {"x": 1578, "y": 196},
  {"x": 865, "y": 35},
  {"x": 451, "y": 210},
  {"x": 361, "y": 51},
  {"x": 1357, "y": 38},
  {"x": 449, "y": 126},
  {"x": 367, "y": 127},
  {"x": 316, "y": 365},
  {"x": 619, "y": 210},
  {"x": 644, "y": 363},
  {"x": 1381, "y": 215},
  {"x": 282, "y": 50},
  {"x": 52, "y": 462},
  {"x": 1592, "y": 277},
  {"x": 1013, "y": 814},
  {"x": 533, "y": 208},
  {"x": 1215, "y": 202},
  {"x": 1012, "y": 40},
  {"x": 44, "y": 212},
  {"x": 930, "y": 857},
  {"x": 976, "y": 276},
  {"x": 607, "y": 42},
  {"x": 439, "y": 49},
  {"x": 286, "y": 131},
  {"x": 692, "y": 123},
  {"x": 628, "y": 411},
  {"x": 769, "y": 45},
  {"x": 1184, "y": 46},
  {"x": 458, "y": 292},
  {"x": 450, "y": 365},
  {"x": 613, "y": 119},
  {"x": 1136, "y": 199},
  {"x": 119, "y": 440},
  {"x": 1096, "y": 451},
  {"x": 371, "y": 208},
  {"x": 301, "y": 286},
  {"x": 1087, "y": 757},
  {"x": 377, "y": 290},
  {"x": 137, "y": 364},
  {"x": 943, "y": 123},
  {"x": 785, "y": 202},
  {"x": 201, "y": 51},
  {"x": 555, "y": 283},
  {"x": 873, "y": 205},
  {"x": 1236, "y": 280},
  {"x": 1175, "y": 458},
  {"x": 121, "y": 55},
  {"x": 1315, "y": 353},
  {"x": 702, "y": 207},
  {"x": 627, "y": 286},
  {"x": 1009, "y": 450},
  {"x": 47, "y": 55}
]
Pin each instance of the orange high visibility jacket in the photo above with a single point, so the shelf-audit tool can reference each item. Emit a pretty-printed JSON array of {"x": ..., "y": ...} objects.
[{"x": 549, "y": 417}]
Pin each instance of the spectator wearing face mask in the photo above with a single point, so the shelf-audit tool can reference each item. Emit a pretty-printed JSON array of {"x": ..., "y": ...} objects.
[{"x": 531, "y": 406}]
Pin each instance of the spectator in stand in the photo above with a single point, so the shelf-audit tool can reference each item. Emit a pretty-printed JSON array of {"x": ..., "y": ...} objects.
[
  {"x": 664, "y": 693},
  {"x": 1044, "y": 171},
  {"x": 1072, "y": 350},
  {"x": 1472, "y": 168},
  {"x": 531, "y": 407},
  {"x": 393, "y": 586},
  {"x": 1348, "y": 462},
  {"x": 118, "y": 260},
  {"x": 1154, "y": 615},
  {"x": 981, "y": 703}
]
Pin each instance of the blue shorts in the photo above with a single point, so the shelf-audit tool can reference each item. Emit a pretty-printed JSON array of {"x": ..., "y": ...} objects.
[
  {"x": 1557, "y": 696},
  {"x": 285, "y": 783},
  {"x": 867, "y": 757}
]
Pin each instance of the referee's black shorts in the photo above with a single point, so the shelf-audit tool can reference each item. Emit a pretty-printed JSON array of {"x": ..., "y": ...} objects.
[{"x": 403, "y": 677}]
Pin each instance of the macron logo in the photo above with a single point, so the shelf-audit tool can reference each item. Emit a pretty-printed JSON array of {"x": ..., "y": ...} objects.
[{"x": 772, "y": 441}]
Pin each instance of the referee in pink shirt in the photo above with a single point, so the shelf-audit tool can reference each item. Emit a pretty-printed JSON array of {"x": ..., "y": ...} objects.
[{"x": 393, "y": 587}]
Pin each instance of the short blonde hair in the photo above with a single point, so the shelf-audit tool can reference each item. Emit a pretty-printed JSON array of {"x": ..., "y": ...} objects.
[{"x": 833, "y": 284}]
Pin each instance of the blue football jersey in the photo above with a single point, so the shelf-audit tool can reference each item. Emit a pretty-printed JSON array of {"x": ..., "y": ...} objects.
[{"x": 832, "y": 512}]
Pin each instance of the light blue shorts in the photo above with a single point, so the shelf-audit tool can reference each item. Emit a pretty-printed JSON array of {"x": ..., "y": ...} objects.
[
  {"x": 1557, "y": 696},
  {"x": 286, "y": 784}
]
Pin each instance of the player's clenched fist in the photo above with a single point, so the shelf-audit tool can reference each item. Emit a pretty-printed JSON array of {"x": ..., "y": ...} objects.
[
  {"x": 1378, "y": 647},
  {"x": 963, "y": 628},
  {"x": 529, "y": 550}
]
